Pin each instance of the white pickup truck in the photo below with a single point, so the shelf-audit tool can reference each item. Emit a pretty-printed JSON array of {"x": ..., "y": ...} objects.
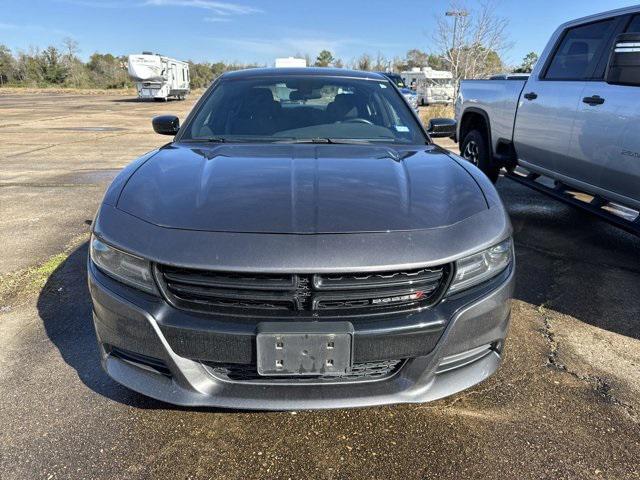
[{"x": 574, "y": 122}]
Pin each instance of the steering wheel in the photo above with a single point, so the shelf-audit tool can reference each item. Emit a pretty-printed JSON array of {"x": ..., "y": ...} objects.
[{"x": 358, "y": 120}]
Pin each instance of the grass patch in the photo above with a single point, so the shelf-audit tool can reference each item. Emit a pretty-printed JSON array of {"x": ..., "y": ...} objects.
[
  {"x": 39, "y": 275},
  {"x": 435, "y": 111},
  {"x": 16, "y": 284}
]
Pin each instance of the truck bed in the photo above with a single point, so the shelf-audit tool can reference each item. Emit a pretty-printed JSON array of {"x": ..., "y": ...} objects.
[{"x": 498, "y": 98}]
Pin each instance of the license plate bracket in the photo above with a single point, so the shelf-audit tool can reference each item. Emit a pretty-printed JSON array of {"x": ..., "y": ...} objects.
[{"x": 304, "y": 348}]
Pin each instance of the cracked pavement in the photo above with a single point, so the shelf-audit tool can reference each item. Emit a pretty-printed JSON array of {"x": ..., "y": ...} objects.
[{"x": 563, "y": 405}]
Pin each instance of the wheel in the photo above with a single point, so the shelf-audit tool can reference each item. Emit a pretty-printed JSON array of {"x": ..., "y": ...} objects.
[{"x": 475, "y": 149}]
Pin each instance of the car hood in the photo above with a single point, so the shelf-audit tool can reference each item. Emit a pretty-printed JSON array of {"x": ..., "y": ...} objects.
[{"x": 301, "y": 189}]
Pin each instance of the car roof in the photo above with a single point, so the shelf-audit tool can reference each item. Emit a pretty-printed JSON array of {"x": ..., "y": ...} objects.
[
  {"x": 601, "y": 16},
  {"x": 304, "y": 71}
]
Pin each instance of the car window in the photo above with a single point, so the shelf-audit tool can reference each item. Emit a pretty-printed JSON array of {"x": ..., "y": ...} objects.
[
  {"x": 634, "y": 25},
  {"x": 397, "y": 79},
  {"x": 304, "y": 108},
  {"x": 579, "y": 51}
]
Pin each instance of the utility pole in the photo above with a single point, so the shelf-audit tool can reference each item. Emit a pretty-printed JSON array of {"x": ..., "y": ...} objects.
[
  {"x": 456, "y": 14},
  {"x": 454, "y": 63}
]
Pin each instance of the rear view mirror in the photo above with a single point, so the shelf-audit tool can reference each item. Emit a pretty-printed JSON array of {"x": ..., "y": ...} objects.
[
  {"x": 166, "y": 124},
  {"x": 441, "y": 127},
  {"x": 624, "y": 60}
]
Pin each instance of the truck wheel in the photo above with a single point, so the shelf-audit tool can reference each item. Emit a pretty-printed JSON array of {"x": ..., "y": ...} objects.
[{"x": 474, "y": 148}]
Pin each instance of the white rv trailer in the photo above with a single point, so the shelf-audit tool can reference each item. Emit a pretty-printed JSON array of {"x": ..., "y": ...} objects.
[
  {"x": 290, "y": 62},
  {"x": 431, "y": 86},
  {"x": 158, "y": 77}
]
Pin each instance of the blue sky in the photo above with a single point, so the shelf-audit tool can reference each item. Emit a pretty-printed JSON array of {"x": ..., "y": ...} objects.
[{"x": 252, "y": 30}]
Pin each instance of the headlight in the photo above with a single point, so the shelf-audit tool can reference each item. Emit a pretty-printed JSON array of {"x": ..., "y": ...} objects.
[
  {"x": 482, "y": 266},
  {"x": 127, "y": 268}
]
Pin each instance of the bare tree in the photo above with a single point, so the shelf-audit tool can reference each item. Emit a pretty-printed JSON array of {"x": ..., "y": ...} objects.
[
  {"x": 380, "y": 63},
  {"x": 473, "y": 44},
  {"x": 363, "y": 62},
  {"x": 71, "y": 47}
]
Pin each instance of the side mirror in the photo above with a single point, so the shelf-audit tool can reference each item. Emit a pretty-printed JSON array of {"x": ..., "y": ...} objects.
[
  {"x": 624, "y": 60},
  {"x": 166, "y": 124},
  {"x": 441, "y": 127}
]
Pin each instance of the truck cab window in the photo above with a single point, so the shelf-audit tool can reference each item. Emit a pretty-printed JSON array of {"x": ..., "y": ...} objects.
[{"x": 579, "y": 51}]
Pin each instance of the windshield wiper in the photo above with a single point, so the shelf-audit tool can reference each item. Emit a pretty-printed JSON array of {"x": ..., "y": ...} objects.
[
  {"x": 347, "y": 141},
  {"x": 305, "y": 140}
]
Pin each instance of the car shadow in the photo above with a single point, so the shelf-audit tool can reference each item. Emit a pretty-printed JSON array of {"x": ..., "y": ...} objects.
[
  {"x": 573, "y": 263},
  {"x": 64, "y": 305}
]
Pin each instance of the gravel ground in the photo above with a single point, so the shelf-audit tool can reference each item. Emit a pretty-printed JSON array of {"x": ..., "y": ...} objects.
[{"x": 564, "y": 404}]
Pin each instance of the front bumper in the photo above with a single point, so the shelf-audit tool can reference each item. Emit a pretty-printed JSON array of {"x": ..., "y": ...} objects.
[{"x": 448, "y": 348}]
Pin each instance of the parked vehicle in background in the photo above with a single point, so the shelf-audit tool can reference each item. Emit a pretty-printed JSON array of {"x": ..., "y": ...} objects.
[
  {"x": 407, "y": 93},
  {"x": 158, "y": 77},
  {"x": 290, "y": 62},
  {"x": 575, "y": 119},
  {"x": 431, "y": 86},
  {"x": 301, "y": 243}
]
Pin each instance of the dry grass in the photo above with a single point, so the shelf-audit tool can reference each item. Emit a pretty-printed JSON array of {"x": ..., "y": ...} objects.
[
  {"x": 58, "y": 90},
  {"x": 435, "y": 111},
  {"x": 78, "y": 91}
]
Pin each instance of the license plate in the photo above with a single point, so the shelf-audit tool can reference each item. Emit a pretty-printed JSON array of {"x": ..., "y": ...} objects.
[{"x": 304, "y": 349}]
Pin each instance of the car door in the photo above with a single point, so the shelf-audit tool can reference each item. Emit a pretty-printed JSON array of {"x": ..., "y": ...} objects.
[
  {"x": 551, "y": 97},
  {"x": 605, "y": 146}
]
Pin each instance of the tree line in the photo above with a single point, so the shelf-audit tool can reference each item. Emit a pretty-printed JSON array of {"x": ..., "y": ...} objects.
[{"x": 62, "y": 67}]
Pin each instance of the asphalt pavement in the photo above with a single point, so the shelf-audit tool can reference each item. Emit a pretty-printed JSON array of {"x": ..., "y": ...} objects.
[{"x": 564, "y": 404}]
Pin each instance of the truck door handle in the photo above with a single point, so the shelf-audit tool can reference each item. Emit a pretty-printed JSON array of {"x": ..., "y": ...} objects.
[
  {"x": 531, "y": 96},
  {"x": 593, "y": 100}
]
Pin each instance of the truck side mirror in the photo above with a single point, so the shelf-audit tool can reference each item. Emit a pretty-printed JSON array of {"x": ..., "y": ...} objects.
[
  {"x": 441, "y": 127},
  {"x": 166, "y": 124},
  {"x": 624, "y": 60}
]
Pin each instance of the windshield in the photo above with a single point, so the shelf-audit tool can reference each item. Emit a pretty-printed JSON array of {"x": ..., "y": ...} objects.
[{"x": 303, "y": 108}]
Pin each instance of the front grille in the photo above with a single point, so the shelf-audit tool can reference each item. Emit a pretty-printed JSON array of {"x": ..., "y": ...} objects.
[
  {"x": 301, "y": 295},
  {"x": 366, "y": 371}
]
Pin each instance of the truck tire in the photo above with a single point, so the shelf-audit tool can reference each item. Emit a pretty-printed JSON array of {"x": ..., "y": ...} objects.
[{"x": 474, "y": 148}]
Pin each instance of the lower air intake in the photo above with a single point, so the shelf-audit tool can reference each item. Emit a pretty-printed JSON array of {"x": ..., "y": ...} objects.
[{"x": 366, "y": 371}]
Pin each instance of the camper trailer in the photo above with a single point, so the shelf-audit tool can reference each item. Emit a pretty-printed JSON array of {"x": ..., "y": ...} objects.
[
  {"x": 431, "y": 86},
  {"x": 158, "y": 77}
]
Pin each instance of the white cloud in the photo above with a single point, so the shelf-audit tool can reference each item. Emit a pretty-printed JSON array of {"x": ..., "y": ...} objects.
[
  {"x": 219, "y": 8},
  {"x": 34, "y": 28},
  {"x": 100, "y": 3},
  {"x": 216, "y": 19}
]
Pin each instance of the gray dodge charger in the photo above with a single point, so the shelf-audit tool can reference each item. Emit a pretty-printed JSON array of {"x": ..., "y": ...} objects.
[{"x": 301, "y": 243}]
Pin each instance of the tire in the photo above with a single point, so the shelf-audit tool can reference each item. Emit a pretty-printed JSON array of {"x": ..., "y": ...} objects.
[{"x": 474, "y": 148}]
